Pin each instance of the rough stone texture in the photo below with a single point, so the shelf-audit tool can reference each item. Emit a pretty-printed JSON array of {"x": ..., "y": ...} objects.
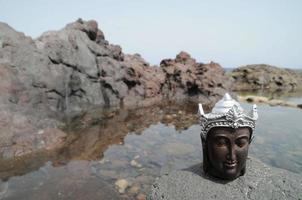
[
  {"x": 259, "y": 182},
  {"x": 67, "y": 71},
  {"x": 197, "y": 81},
  {"x": 24, "y": 128},
  {"x": 254, "y": 77}
]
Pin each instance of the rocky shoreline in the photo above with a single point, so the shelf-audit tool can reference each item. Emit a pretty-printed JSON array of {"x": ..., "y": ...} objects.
[
  {"x": 66, "y": 72},
  {"x": 265, "y": 77}
]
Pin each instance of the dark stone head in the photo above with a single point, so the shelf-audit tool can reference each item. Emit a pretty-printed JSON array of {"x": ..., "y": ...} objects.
[{"x": 225, "y": 151}]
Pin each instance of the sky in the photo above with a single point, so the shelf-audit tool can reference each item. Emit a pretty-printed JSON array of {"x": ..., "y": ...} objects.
[{"x": 231, "y": 32}]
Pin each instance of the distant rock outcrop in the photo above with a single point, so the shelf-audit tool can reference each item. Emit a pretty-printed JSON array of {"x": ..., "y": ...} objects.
[
  {"x": 255, "y": 77},
  {"x": 69, "y": 70}
]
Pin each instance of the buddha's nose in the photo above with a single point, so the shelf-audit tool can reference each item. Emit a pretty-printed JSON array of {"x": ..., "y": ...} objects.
[{"x": 231, "y": 156}]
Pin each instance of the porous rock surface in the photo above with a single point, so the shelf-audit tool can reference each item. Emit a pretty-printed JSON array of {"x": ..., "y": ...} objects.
[
  {"x": 259, "y": 182},
  {"x": 65, "y": 72},
  {"x": 255, "y": 77}
]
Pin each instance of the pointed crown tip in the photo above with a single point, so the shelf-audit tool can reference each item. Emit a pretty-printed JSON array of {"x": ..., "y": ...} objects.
[{"x": 227, "y": 96}]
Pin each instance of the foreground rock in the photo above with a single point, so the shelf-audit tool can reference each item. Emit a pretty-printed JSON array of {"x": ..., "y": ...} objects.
[
  {"x": 255, "y": 77},
  {"x": 65, "y": 72},
  {"x": 260, "y": 182}
]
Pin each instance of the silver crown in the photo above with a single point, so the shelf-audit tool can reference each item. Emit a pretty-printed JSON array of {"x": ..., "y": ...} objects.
[{"x": 227, "y": 113}]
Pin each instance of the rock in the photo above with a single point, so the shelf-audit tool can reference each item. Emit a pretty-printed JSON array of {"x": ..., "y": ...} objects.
[
  {"x": 63, "y": 73},
  {"x": 19, "y": 132},
  {"x": 253, "y": 77},
  {"x": 259, "y": 182},
  {"x": 271, "y": 102},
  {"x": 254, "y": 99},
  {"x": 69, "y": 68},
  {"x": 278, "y": 102},
  {"x": 143, "y": 81},
  {"x": 134, "y": 163},
  {"x": 103, "y": 160},
  {"x": 134, "y": 189},
  {"x": 168, "y": 118},
  {"x": 121, "y": 185},
  {"x": 141, "y": 196},
  {"x": 187, "y": 79}
]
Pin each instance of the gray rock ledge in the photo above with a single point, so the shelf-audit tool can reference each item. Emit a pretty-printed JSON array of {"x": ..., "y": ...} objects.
[{"x": 259, "y": 182}]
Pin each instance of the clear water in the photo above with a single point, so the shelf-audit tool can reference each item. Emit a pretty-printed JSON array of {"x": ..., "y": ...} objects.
[{"x": 138, "y": 146}]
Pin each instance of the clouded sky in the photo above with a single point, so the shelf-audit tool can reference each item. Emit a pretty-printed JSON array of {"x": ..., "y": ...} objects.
[{"x": 230, "y": 32}]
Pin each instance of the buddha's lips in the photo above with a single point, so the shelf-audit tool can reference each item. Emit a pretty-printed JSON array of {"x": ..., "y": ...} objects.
[{"x": 230, "y": 165}]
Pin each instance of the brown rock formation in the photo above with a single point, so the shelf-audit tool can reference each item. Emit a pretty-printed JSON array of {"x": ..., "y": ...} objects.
[
  {"x": 255, "y": 77},
  {"x": 185, "y": 78}
]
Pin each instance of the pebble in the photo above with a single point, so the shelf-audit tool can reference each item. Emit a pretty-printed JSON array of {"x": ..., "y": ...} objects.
[
  {"x": 122, "y": 185},
  {"x": 134, "y": 163},
  {"x": 103, "y": 161},
  {"x": 168, "y": 117},
  {"x": 141, "y": 196},
  {"x": 134, "y": 189}
]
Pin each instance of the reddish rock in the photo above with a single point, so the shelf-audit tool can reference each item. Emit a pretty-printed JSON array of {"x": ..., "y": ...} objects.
[
  {"x": 185, "y": 78},
  {"x": 141, "y": 196},
  {"x": 143, "y": 81}
]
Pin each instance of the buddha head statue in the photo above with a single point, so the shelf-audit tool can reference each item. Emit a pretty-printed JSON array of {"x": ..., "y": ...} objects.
[{"x": 226, "y": 133}]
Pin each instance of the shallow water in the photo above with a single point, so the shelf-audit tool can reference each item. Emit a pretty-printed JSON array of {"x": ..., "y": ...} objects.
[
  {"x": 138, "y": 146},
  {"x": 290, "y": 96}
]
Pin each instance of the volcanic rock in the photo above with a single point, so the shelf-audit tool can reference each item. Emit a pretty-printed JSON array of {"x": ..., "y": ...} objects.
[
  {"x": 255, "y": 77},
  {"x": 65, "y": 72},
  {"x": 187, "y": 79},
  {"x": 259, "y": 182}
]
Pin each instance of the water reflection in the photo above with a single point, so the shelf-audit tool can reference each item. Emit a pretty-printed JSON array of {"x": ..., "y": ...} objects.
[
  {"x": 137, "y": 146},
  {"x": 89, "y": 138},
  {"x": 278, "y": 140}
]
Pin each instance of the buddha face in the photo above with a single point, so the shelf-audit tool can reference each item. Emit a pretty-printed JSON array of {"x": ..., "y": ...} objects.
[{"x": 227, "y": 150}]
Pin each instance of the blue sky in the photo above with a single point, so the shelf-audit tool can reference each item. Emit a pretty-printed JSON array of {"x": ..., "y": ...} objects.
[{"x": 230, "y": 32}]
